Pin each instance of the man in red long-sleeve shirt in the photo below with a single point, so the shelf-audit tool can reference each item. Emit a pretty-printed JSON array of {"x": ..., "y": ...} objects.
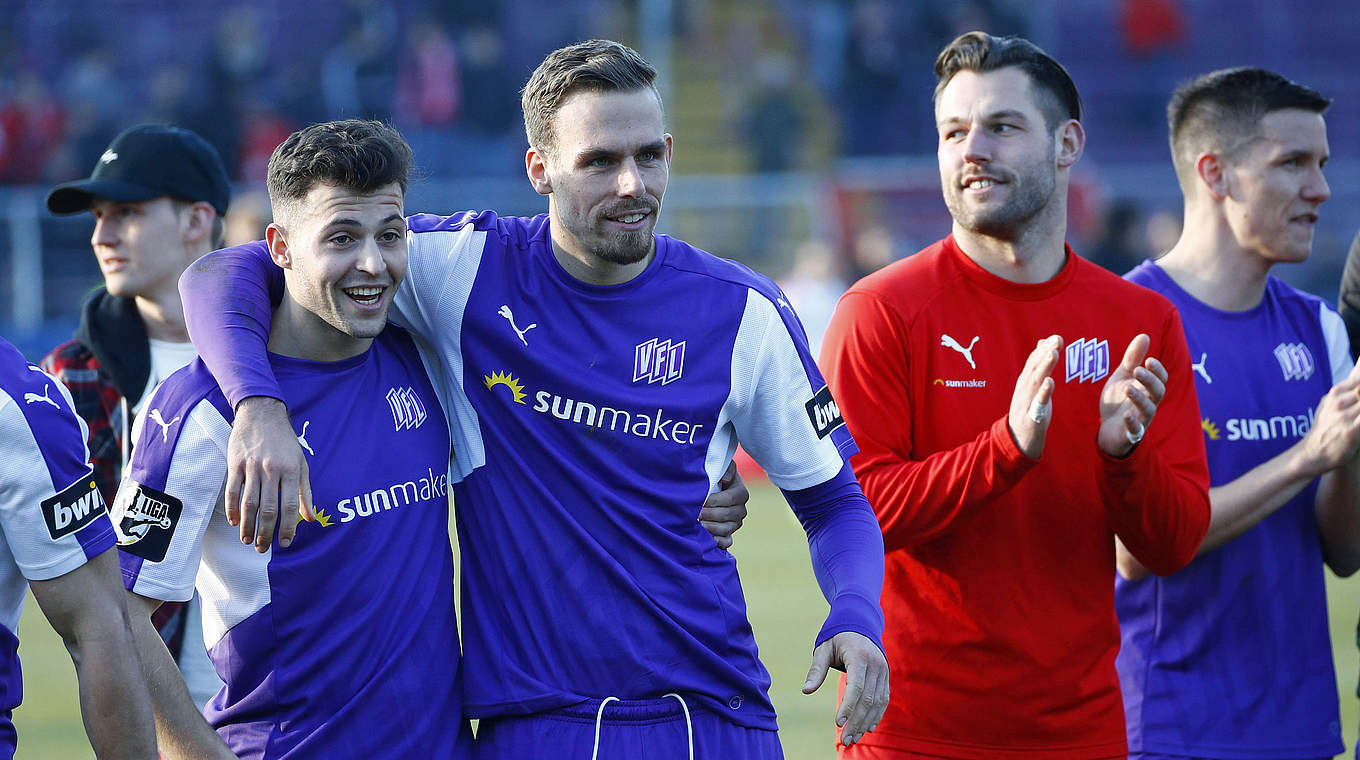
[{"x": 1000, "y": 388}]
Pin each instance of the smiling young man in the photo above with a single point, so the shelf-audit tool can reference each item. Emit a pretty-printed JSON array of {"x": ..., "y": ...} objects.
[
  {"x": 342, "y": 643},
  {"x": 599, "y": 377},
  {"x": 1231, "y": 657},
  {"x": 999, "y": 497}
]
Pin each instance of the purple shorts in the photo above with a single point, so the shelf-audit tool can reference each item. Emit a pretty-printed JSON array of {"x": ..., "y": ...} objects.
[{"x": 640, "y": 729}]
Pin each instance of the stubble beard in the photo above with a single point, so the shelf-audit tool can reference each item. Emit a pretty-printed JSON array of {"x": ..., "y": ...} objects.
[{"x": 1006, "y": 222}]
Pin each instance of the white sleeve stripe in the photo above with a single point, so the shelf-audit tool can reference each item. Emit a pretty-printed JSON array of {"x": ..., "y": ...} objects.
[
  {"x": 1338, "y": 342},
  {"x": 767, "y": 405},
  {"x": 430, "y": 304},
  {"x": 196, "y": 475}
]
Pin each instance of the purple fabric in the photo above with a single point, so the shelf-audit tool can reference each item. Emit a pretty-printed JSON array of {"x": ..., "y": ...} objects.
[
  {"x": 653, "y": 728},
  {"x": 841, "y": 528},
  {"x": 228, "y": 297}
]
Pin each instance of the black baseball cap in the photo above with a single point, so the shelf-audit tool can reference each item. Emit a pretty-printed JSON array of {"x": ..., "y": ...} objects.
[{"x": 148, "y": 161}]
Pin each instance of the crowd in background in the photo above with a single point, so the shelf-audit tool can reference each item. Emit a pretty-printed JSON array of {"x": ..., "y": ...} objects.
[{"x": 821, "y": 84}]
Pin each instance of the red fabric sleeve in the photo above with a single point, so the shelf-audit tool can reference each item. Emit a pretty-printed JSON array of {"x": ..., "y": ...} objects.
[
  {"x": 866, "y": 363},
  {"x": 1157, "y": 498}
]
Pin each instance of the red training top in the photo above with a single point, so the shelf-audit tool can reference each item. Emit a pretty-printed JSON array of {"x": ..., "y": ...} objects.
[{"x": 999, "y": 593}]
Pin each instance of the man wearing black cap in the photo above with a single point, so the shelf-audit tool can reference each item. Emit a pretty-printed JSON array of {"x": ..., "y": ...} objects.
[{"x": 158, "y": 195}]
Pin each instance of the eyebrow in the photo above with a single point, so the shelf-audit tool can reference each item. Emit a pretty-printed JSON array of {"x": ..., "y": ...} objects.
[
  {"x": 1008, "y": 113},
  {"x": 658, "y": 146},
  {"x": 348, "y": 222}
]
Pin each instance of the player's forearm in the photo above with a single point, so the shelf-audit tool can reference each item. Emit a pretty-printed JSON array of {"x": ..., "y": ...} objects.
[
  {"x": 180, "y": 728},
  {"x": 113, "y": 697},
  {"x": 847, "y": 554},
  {"x": 228, "y": 297},
  {"x": 1158, "y": 507},
  {"x": 917, "y": 501},
  {"x": 1237, "y": 506},
  {"x": 1337, "y": 512}
]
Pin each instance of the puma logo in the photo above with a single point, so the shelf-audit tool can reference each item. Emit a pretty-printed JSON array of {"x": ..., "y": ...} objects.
[
  {"x": 510, "y": 317},
  {"x": 33, "y": 398},
  {"x": 155, "y": 415},
  {"x": 302, "y": 437},
  {"x": 949, "y": 342},
  {"x": 1204, "y": 373}
]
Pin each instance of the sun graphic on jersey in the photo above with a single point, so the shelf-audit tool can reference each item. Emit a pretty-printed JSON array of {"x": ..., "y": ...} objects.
[
  {"x": 509, "y": 381},
  {"x": 322, "y": 519},
  {"x": 1210, "y": 429}
]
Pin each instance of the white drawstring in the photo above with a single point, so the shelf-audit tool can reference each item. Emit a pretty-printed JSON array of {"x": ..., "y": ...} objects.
[
  {"x": 689, "y": 727},
  {"x": 599, "y": 717}
]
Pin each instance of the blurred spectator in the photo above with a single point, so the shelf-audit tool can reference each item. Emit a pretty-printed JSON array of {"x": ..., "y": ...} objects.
[
  {"x": 872, "y": 248},
  {"x": 249, "y": 216},
  {"x": 31, "y": 129},
  {"x": 1121, "y": 243},
  {"x": 359, "y": 76},
  {"x": 1163, "y": 230},
  {"x": 813, "y": 286},
  {"x": 775, "y": 125}
]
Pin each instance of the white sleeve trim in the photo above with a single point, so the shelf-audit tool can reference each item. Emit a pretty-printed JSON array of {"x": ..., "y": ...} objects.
[{"x": 1338, "y": 343}]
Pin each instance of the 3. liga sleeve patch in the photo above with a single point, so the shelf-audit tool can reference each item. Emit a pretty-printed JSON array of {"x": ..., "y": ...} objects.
[
  {"x": 145, "y": 520},
  {"x": 72, "y": 509},
  {"x": 824, "y": 413}
]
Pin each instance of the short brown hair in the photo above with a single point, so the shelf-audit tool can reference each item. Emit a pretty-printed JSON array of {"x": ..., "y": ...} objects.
[
  {"x": 1222, "y": 110},
  {"x": 980, "y": 52},
  {"x": 594, "y": 65},
  {"x": 353, "y": 153}
]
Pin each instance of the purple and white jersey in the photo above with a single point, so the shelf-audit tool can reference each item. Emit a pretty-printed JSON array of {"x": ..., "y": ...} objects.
[
  {"x": 590, "y": 423},
  {"x": 51, "y": 514},
  {"x": 1231, "y": 657},
  {"x": 345, "y": 643}
]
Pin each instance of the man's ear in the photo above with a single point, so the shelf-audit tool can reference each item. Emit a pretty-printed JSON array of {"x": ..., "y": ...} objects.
[
  {"x": 1071, "y": 143},
  {"x": 536, "y": 167},
  {"x": 1212, "y": 174},
  {"x": 277, "y": 239},
  {"x": 197, "y": 222}
]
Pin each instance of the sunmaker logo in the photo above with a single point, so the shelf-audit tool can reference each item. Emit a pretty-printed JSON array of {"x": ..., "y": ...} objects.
[
  {"x": 425, "y": 486},
  {"x": 1284, "y": 426},
  {"x": 655, "y": 425}
]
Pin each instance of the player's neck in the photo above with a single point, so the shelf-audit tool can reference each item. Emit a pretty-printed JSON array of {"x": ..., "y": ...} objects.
[
  {"x": 593, "y": 270},
  {"x": 1036, "y": 254},
  {"x": 301, "y": 334},
  {"x": 163, "y": 315},
  {"x": 1209, "y": 264}
]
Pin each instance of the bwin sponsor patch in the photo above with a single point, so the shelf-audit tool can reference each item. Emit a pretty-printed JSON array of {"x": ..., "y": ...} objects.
[
  {"x": 824, "y": 413},
  {"x": 145, "y": 520},
  {"x": 72, "y": 509}
]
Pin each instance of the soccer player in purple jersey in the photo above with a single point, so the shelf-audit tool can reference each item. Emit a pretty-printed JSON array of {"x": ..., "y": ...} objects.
[
  {"x": 56, "y": 541},
  {"x": 599, "y": 377},
  {"x": 343, "y": 643},
  {"x": 1231, "y": 657}
]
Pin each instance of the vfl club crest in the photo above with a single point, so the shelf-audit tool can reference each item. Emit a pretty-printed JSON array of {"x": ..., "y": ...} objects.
[
  {"x": 407, "y": 409},
  {"x": 658, "y": 361},
  {"x": 1088, "y": 360}
]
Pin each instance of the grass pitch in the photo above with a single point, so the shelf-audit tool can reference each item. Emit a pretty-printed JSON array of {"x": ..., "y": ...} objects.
[{"x": 785, "y": 607}]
